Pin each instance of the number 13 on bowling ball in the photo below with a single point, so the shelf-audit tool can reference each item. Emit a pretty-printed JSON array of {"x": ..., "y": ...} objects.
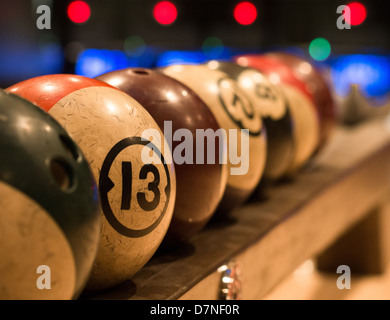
[{"x": 155, "y": 192}]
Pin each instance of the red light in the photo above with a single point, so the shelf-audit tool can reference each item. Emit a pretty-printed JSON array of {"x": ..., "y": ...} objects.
[
  {"x": 79, "y": 11},
  {"x": 165, "y": 12},
  {"x": 245, "y": 13},
  {"x": 358, "y": 14}
]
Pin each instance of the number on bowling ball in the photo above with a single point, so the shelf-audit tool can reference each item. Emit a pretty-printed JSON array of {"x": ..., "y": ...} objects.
[
  {"x": 146, "y": 182},
  {"x": 265, "y": 92},
  {"x": 238, "y": 106},
  {"x": 127, "y": 177}
]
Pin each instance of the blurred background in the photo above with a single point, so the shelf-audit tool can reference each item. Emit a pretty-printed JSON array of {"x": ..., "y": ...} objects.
[{"x": 95, "y": 36}]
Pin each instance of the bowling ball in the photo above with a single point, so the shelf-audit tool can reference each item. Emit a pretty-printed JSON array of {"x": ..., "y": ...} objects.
[
  {"x": 50, "y": 215},
  {"x": 272, "y": 105},
  {"x": 241, "y": 123},
  {"x": 136, "y": 176},
  {"x": 181, "y": 115},
  {"x": 316, "y": 87},
  {"x": 305, "y": 76},
  {"x": 305, "y": 115}
]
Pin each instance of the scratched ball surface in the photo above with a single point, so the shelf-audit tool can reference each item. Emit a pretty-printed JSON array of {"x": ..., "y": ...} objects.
[
  {"x": 135, "y": 173},
  {"x": 240, "y": 121},
  {"x": 181, "y": 114},
  {"x": 50, "y": 215},
  {"x": 272, "y": 105},
  {"x": 305, "y": 115}
]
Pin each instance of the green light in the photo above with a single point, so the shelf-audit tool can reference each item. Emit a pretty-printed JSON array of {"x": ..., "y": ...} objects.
[
  {"x": 134, "y": 46},
  {"x": 213, "y": 47},
  {"x": 319, "y": 49}
]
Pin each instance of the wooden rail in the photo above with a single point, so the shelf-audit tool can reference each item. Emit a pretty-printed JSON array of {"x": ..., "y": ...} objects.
[{"x": 269, "y": 238}]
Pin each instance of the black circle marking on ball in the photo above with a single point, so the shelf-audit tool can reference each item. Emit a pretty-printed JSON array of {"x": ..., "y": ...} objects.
[
  {"x": 106, "y": 184},
  {"x": 238, "y": 99}
]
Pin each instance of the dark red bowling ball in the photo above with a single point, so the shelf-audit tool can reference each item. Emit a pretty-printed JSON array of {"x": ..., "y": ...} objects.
[{"x": 175, "y": 107}]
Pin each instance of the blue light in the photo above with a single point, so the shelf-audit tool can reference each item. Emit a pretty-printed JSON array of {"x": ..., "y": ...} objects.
[
  {"x": 370, "y": 72},
  {"x": 214, "y": 49},
  {"x": 217, "y": 54},
  {"x": 146, "y": 60},
  {"x": 23, "y": 60},
  {"x": 94, "y": 62},
  {"x": 180, "y": 57},
  {"x": 53, "y": 58}
]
